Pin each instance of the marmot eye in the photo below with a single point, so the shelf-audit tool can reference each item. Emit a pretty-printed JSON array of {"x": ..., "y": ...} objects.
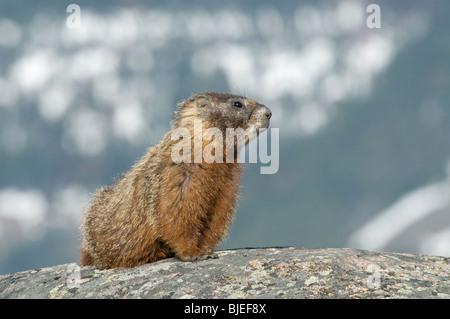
[{"x": 237, "y": 104}]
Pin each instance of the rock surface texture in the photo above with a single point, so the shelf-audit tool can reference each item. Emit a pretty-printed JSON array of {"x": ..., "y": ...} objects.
[{"x": 247, "y": 273}]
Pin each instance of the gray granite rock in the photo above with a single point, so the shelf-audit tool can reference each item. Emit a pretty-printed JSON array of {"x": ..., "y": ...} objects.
[{"x": 247, "y": 273}]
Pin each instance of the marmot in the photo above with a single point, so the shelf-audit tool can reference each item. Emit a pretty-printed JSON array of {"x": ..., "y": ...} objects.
[{"x": 161, "y": 208}]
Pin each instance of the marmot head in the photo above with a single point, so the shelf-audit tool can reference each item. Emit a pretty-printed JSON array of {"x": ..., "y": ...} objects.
[{"x": 223, "y": 111}]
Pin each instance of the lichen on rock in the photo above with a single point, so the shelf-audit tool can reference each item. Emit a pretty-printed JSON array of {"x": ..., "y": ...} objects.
[{"x": 247, "y": 273}]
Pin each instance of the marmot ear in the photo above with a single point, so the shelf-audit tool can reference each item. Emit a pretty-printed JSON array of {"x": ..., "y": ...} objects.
[{"x": 202, "y": 100}]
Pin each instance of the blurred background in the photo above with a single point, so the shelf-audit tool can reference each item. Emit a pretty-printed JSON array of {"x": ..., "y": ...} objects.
[{"x": 363, "y": 115}]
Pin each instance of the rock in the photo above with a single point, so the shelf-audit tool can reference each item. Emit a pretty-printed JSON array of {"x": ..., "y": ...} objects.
[{"x": 247, "y": 273}]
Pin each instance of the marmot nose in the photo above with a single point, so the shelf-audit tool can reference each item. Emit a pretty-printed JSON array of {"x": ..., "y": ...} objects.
[{"x": 268, "y": 113}]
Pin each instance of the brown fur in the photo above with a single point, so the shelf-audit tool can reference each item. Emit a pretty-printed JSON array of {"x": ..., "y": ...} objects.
[{"x": 159, "y": 208}]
